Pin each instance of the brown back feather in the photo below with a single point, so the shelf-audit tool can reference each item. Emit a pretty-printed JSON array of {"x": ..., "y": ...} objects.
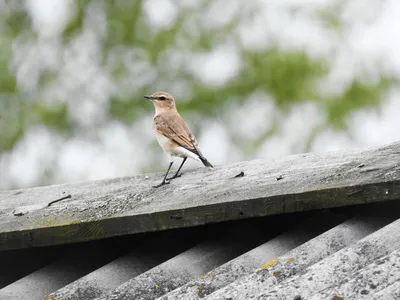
[{"x": 171, "y": 125}]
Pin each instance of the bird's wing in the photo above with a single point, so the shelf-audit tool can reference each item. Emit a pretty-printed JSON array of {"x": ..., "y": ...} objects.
[{"x": 175, "y": 128}]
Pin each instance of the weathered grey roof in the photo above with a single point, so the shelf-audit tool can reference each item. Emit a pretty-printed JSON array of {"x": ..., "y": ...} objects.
[
  {"x": 107, "y": 208},
  {"x": 337, "y": 253}
]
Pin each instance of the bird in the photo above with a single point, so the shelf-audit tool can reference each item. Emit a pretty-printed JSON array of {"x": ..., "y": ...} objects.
[{"x": 173, "y": 134}]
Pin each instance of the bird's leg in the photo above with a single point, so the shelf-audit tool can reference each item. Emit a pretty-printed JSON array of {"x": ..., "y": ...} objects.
[
  {"x": 165, "y": 177},
  {"x": 177, "y": 172}
]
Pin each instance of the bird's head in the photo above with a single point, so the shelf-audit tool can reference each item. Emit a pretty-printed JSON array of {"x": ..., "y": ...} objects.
[{"x": 162, "y": 101}]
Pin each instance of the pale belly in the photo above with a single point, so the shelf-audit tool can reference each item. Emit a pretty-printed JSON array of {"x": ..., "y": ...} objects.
[{"x": 173, "y": 149}]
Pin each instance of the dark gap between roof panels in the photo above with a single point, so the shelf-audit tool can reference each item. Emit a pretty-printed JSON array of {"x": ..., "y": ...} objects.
[{"x": 18, "y": 263}]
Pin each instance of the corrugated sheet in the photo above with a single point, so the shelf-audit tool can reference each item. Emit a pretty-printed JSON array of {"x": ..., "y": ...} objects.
[{"x": 344, "y": 253}]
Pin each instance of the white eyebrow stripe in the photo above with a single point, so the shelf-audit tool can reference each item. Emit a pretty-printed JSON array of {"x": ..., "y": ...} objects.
[{"x": 162, "y": 95}]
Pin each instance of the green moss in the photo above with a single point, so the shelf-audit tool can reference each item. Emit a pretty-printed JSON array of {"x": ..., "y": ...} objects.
[
  {"x": 200, "y": 290},
  {"x": 269, "y": 264},
  {"x": 51, "y": 220}
]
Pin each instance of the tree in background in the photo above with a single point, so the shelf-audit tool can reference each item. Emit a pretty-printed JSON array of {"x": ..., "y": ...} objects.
[{"x": 73, "y": 75}]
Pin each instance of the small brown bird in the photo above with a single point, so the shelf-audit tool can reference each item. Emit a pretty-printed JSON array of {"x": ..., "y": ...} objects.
[{"x": 173, "y": 134}]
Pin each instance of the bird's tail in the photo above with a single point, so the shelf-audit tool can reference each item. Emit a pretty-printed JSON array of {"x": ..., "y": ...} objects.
[
  {"x": 202, "y": 158},
  {"x": 206, "y": 162}
]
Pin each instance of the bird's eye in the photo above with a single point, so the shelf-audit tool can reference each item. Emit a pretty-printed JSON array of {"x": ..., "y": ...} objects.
[{"x": 162, "y": 98}]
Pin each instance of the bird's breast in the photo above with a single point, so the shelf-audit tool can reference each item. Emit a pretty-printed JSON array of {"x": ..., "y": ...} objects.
[{"x": 167, "y": 144}]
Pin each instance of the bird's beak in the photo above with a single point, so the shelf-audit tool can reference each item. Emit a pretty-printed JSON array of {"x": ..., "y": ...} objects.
[{"x": 149, "y": 97}]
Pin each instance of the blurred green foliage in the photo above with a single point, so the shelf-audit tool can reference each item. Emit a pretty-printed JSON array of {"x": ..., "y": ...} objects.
[
  {"x": 290, "y": 77},
  {"x": 330, "y": 16},
  {"x": 357, "y": 95}
]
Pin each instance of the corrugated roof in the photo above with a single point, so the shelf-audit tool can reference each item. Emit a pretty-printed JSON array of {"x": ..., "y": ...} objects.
[
  {"x": 338, "y": 253},
  {"x": 347, "y": 253}
]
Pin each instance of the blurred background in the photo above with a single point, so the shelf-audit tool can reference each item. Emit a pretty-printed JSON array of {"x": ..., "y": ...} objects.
[{"x": 254, "y": 79}]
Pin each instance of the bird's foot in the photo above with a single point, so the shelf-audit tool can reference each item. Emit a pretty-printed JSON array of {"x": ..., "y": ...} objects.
[
  {"x": 175, "y": 176},
  {"x": 161, "y": 184}
]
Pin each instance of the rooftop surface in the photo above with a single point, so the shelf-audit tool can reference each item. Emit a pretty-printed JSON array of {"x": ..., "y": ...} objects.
[
  {"x": 116, "y": 207},
  {"x": 304, "y": 227}
]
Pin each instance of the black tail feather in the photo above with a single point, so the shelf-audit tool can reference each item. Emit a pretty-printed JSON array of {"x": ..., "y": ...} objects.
[{"x": 206, "y": 162}]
